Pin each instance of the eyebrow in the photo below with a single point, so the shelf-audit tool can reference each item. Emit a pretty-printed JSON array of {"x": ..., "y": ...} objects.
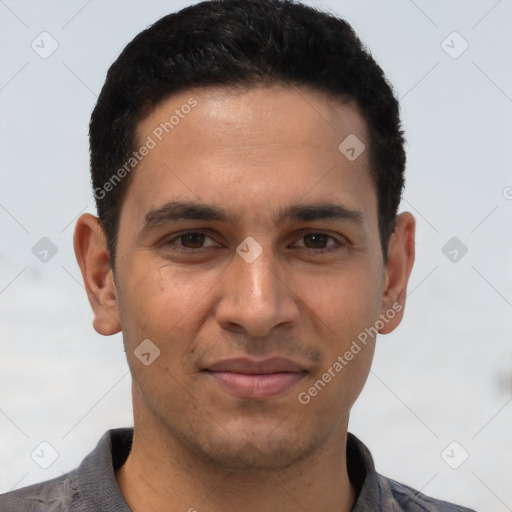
[
  {"x": 308, "y": 212},
  {"x": 186, "y": 210},
  {"x": 176, "y": 210}
]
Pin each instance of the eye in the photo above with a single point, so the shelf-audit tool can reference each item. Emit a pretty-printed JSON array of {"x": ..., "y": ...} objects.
[
  {"x": 319, "y": 242},
  {"x": 191, "y": 241}
]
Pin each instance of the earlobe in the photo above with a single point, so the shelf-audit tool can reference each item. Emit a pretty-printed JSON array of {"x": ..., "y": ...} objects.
[
  {"x": 94, "y": 261},
  {"x": 398, "y": 269}
]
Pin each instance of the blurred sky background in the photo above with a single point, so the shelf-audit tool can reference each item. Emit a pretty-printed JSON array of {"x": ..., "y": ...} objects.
[{"x": 445, "y": 375}]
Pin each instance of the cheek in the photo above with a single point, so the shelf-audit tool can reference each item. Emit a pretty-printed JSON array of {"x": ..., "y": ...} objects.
[
  {"x": 159, "y": 304},
  {"x": 159, "y": 307},
  {"x": 342, "y": 304},
  {"x": 340, "y": 310}
]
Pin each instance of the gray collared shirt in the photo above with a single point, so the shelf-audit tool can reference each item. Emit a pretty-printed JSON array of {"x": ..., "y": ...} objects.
[{"x": 92, "y": 487}]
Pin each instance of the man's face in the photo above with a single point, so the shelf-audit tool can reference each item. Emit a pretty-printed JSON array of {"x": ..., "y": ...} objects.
[{"x": 243, "y": 333}]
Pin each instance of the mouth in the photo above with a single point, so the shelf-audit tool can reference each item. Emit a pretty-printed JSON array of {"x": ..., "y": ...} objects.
[{"x": 252, "y": 379}]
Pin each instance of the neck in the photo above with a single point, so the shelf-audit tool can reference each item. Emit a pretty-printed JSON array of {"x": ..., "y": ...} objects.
[{"x": 160, "y": 474}]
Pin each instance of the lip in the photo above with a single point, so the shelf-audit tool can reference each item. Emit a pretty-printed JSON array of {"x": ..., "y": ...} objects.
[{"x": 256, "y": 379}]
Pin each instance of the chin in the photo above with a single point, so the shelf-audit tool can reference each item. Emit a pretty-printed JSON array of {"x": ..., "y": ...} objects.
[{"x": 252, "y": 450}]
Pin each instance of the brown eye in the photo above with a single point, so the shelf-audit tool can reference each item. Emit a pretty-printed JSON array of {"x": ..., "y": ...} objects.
[
  {"x": 316, "y": 240},
  {"x": 192, "y": 240},
  {"x": 191, "y": 243},
  {"x": 319, "y": 243}
]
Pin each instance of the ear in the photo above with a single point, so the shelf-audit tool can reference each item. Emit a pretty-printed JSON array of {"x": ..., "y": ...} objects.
[
  {"x": 397, "y": 271},
  {"x": 94, "y": 260}
]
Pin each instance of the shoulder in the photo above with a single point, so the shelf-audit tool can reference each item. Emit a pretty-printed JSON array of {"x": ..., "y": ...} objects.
[
  {"x": 377, "y": 492},
  {"x": 92, "y": 487},
  {"x": 56, "y": 495},
  {"x": 402, "y": 498}
]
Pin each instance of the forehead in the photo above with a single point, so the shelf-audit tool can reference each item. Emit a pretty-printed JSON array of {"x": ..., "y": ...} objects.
[
  {"x": 252, "y": 115},
  {"x": 252, "y": 149}
]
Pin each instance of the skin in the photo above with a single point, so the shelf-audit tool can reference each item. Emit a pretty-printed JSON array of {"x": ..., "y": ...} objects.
[{"x": 253, "y": 152}]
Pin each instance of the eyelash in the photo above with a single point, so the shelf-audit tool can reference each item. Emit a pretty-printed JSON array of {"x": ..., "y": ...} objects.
[{"x": 186, "y": 250}]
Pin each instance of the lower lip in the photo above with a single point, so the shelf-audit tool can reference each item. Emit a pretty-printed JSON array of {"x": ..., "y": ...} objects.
[{"x": 259, "y": 386}]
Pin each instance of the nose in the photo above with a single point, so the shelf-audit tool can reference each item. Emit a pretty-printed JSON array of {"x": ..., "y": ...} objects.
[{"x": 256, "y": 298}]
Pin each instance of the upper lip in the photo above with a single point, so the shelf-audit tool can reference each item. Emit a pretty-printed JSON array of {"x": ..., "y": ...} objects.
[{"x": 255, "y": 366}]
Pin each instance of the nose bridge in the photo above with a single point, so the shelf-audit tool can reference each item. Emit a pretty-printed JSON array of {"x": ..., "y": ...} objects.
[
  {"x": 254, "y": 298},
  {"x": 259, "y": 277}
]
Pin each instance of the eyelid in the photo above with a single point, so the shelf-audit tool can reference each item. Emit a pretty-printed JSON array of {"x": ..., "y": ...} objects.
[
  {"x": 339, "y": 239},
  {"x": 198, "y": 233},
  {"x": 172, "y": 239}
]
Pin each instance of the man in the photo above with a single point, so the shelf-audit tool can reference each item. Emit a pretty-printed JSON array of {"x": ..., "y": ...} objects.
[{"x": 247, "y": 163}]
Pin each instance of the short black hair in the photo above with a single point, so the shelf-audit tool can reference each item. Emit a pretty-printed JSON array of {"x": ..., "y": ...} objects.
[{"x": 242, "y": 43}]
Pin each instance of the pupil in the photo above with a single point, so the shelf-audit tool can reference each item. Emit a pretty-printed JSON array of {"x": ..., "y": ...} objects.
[
  {"x": 317, "y": 241},
  {"x": 193, "y": 240}
]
